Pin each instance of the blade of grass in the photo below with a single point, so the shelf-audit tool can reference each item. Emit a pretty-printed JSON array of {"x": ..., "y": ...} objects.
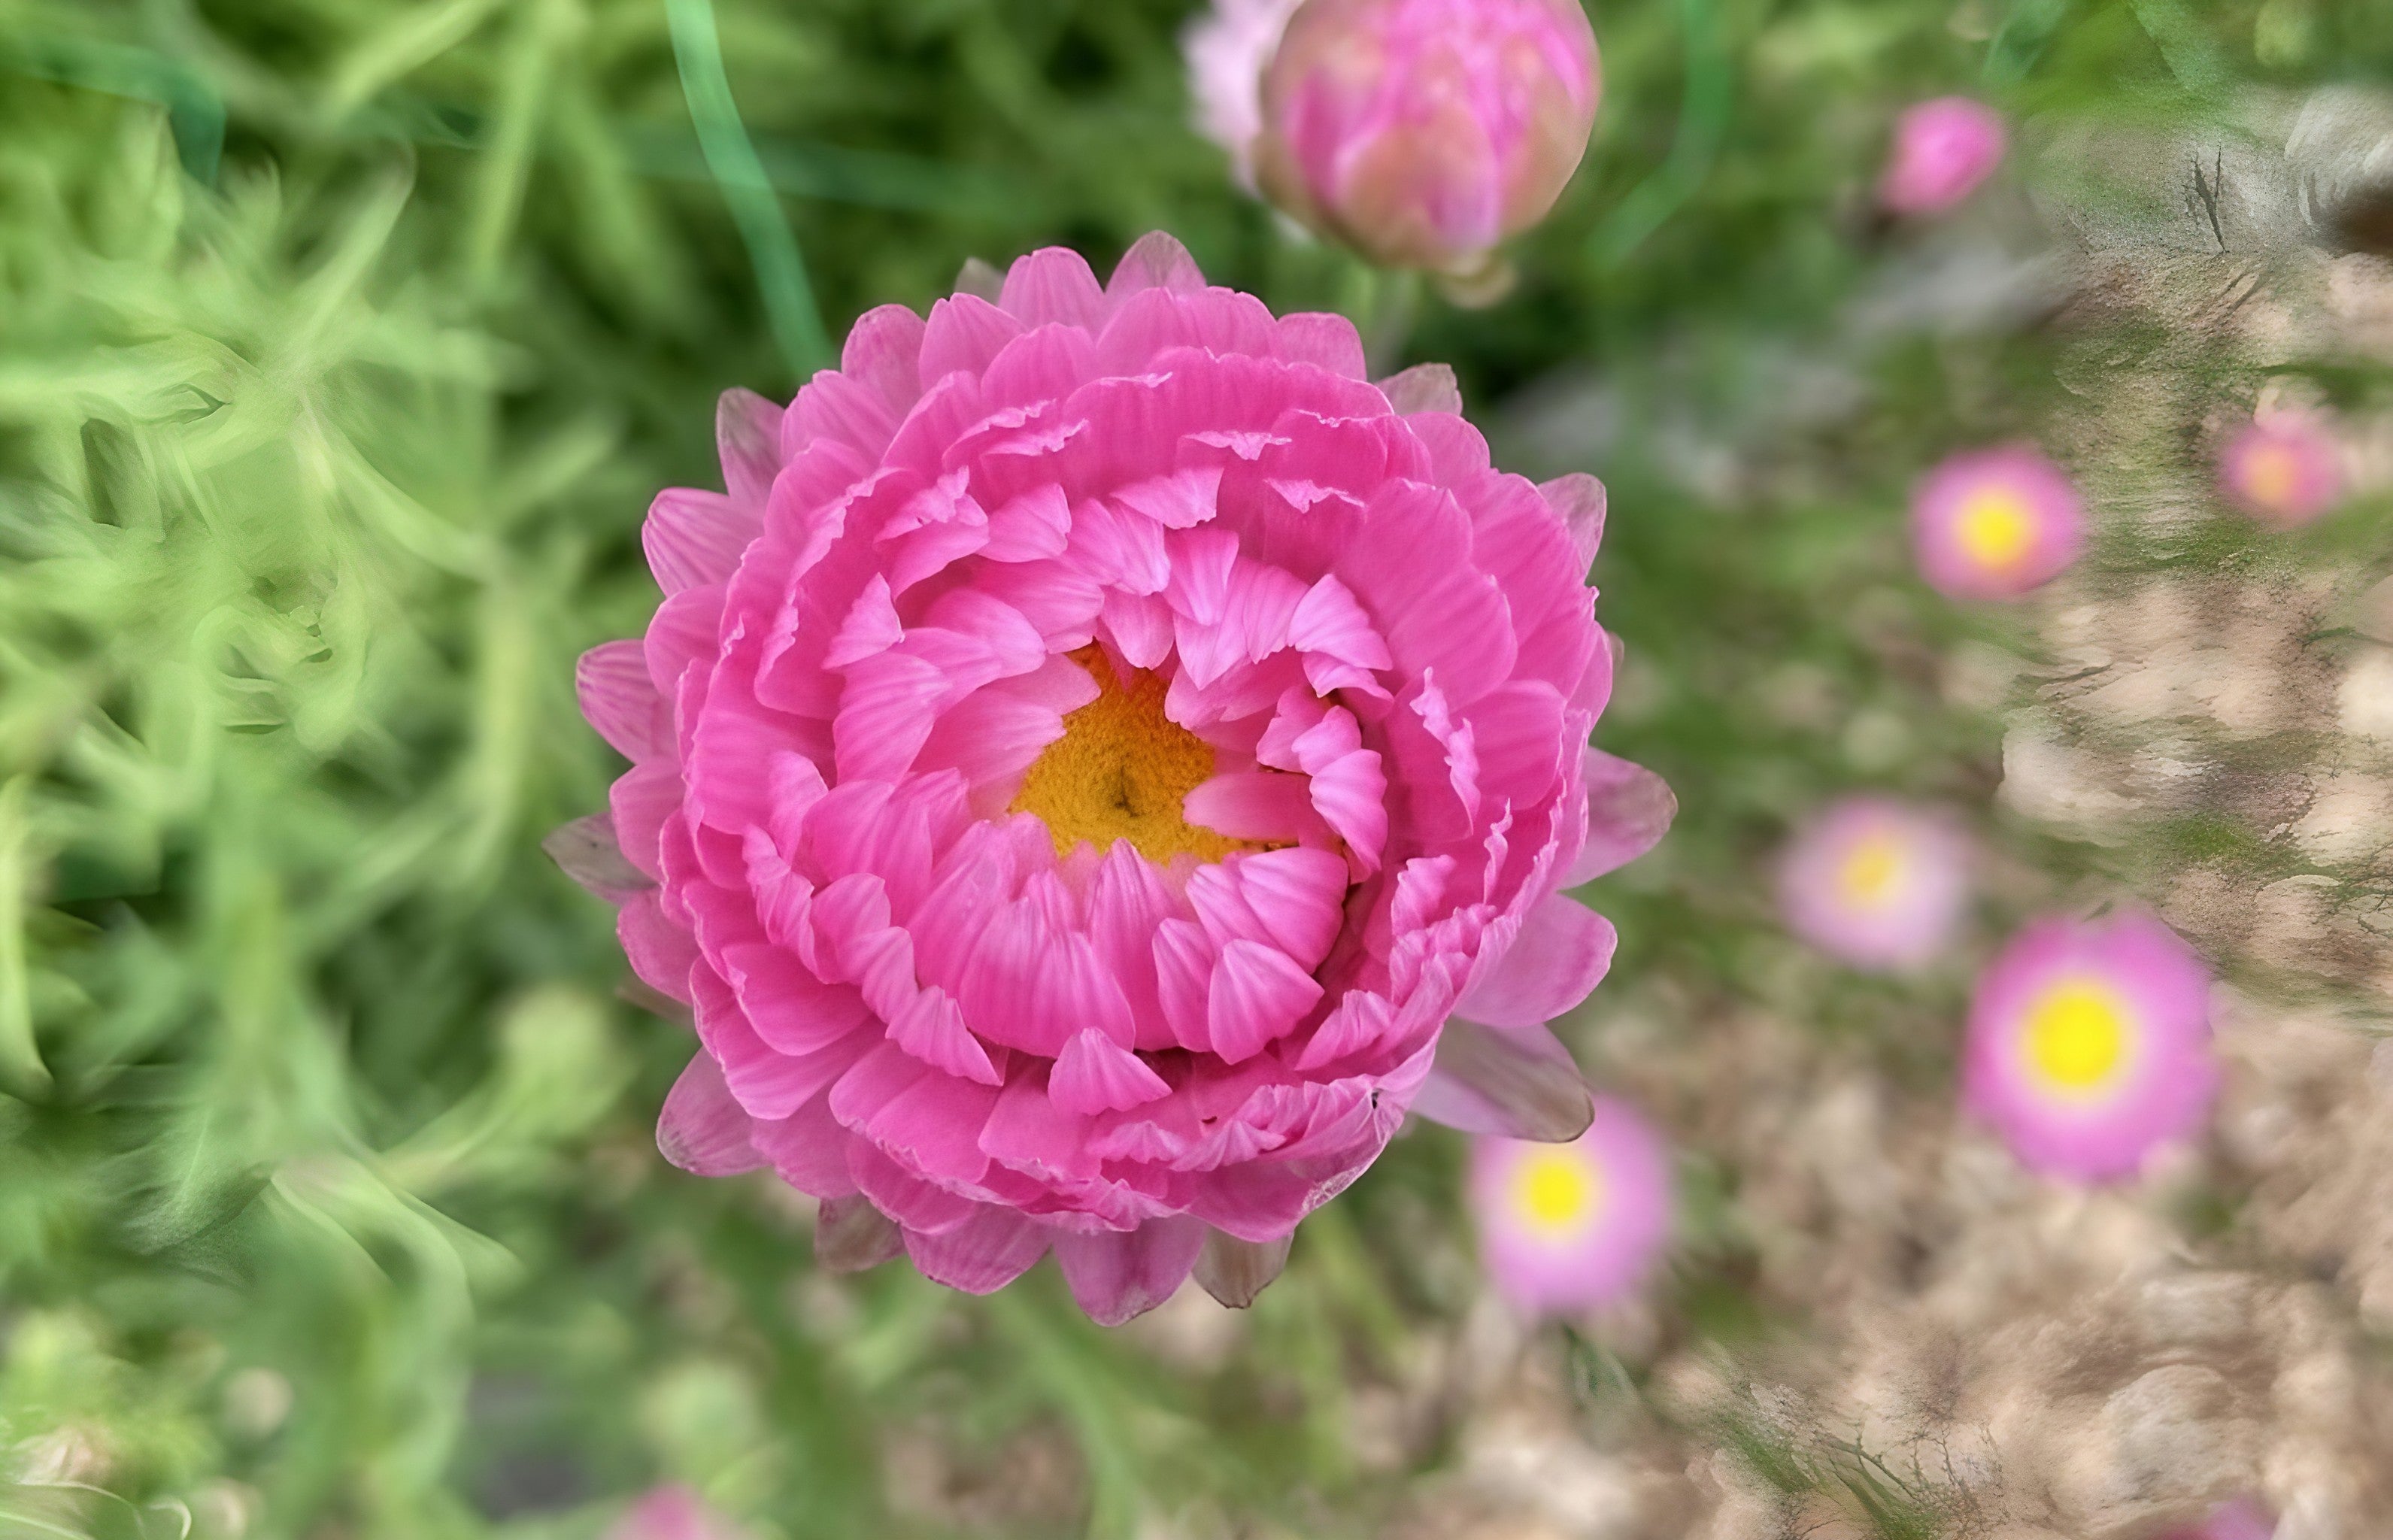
[
  {"x": 731, "y": 156},
  {"x": 1703, "y": 125}
]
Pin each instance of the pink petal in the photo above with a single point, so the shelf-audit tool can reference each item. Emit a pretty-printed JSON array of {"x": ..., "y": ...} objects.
[
  {"x": 621, "y": 701},
  {"x": 1297, "y": 896},
  {"x": 1562, "y": 952},
  {"x": 639, "y": 803},
  {"x": 1155, "y": 261},
  {"x": 808, "y": 1150},
  {"x": 885, "y": 714},
  {"x": 1053, "y": 285},
  {"x": 702, "y": 1130},
  {"x": 1258, "y": 995},
  {"x": 1251, "y": 804},
  {"x": 1362, "y": 1020},
  {"x": 1324, "y": 341},
  {"x": 1095, "y": 1074},
  {"x": 1423, "y": 387},
  {"x": 966, "y": 332},
  {"x": 1184, "y": 969},
  {"x": 1578, "y": 501},
  {"x": 1351, "y": 795},
  {"x": 694, "y": 539},
  {"x": 932, "y": 1030},
  {"x": 1181, "y": 500},
  {"x": 883, "y": 352},
  {"x": 1329, "y": 620},
  {"x": 770, "y": 1085},
  {"x": 1036, "y": 525},
  {"x": 792, "y": 1011},
  {"x": 1114, "y": 1277},
  {"x": 1139, "y": 626},
  {"x": 747, "y": 434},
  {"x": 981, "y": 1255},
  {"x": 871, "y": 626},
  {"x": 1629, "y": 808},
  {"x": 1519, "y": 1085}
]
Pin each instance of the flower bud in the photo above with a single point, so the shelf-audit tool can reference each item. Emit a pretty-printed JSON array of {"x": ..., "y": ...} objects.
[
  {"x": 1423, "y": 133},
  {"x": 1942, "y": 151}
]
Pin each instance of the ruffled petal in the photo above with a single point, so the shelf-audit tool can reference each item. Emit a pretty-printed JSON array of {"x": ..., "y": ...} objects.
[
  {"x": 1116, "y": 1278},
  {"x": 702, "y": 1130}
]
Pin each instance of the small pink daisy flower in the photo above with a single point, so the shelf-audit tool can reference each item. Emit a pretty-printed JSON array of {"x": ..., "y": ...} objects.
[
  {"x": 1571, "y": 1227},
  {"x": 2239, "y": 1520},
  {"x": 671, "y": 1513},
  {"x": 2089, "y": 1044},
  {"x": 1995, "y": 524},
  {"x": 1877, "y": 883},
  {"x": 2283, "y": 470},
  {"x": 1944, "y": 151}
]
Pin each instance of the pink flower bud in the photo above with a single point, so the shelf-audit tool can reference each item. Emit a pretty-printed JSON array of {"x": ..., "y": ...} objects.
[
  {"x": 1942, "y": 151},
  {"x": 1422, "y": 133},
  {"x": 2282, "y": 470}
]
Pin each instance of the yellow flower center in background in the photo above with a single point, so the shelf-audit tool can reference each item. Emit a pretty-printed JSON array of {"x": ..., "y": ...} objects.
[
  {"x": 1119, "y": 772},
  {"x": 1871, "y": 871},
  {"x": 1556, "y": 1189},
  {"x": 2077, "y": 1035},
  {"x": 1995, "y": 527},
  {"x": 2271, "y": 475}
]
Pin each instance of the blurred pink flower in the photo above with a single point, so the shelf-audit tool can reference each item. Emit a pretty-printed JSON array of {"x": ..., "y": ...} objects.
[
  {"x": 1228, "y": 47},
  {"x": 1994, "y": 524},
  {"x": 2239, "y": 1520},
  {"x": 671, "y": 1513},
  {"x": 1943, "y": 150},
  {"x": 1422, "y": 133},
  {"x": 1564, "y": 1228},
  {"x": 2089, "y": 1044},
  {"x": 2283, "y": 469},
  {"x": 1877, "y": 883},
  {"x": 1083, "y": 762}
]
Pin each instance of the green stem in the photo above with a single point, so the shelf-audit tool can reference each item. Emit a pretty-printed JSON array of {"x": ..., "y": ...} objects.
[
  {"x": 731, "y": 157},
  {"x": 1702, "y": 124}
]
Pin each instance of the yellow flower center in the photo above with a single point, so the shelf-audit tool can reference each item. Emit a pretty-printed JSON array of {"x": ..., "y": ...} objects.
[
  {"x": 1995, "y": 527},
  {"x": 1119, "y": 772},
  {"x": 1556, "y": 1189},
  {"x": 2077, "y": 1035},
  {"x": 2272, "y": 475},
  {"x": 1868, "y": 875}
]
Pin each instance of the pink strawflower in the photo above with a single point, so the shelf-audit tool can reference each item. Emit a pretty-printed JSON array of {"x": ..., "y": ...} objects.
[
  {"x": 1081, "y": 764},
  {"x": 2089, "y": 1044},
  {"x": 2283, "y": 469},
  {"x": 1877, "y": 883},
  {"x": 671, "y": 1513},
  {"x": 1422, "y": 133},
  {"x": 1227, "y": 48},
  {"x": 1944, "y": 151},
  {"x": 1565, "y": 1228},
  {"x": 1994, "y": 524}
]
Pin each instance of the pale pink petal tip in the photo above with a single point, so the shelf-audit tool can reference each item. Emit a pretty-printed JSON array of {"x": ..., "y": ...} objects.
[
  {"x": 1569, "y": 1228},
  {"x": 1996, "y": 524},
  {"x": 1099, "y": 766},
  {"x": 2286, "y": 470},
  {"x": 1879, "y": 883},
  {"x": 2089, "y": 1045},
  {"x": 1944, "y": 151}
]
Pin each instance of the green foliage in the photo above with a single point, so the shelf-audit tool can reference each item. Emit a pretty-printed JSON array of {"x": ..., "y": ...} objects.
[{"x": 342, "y": 344}]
